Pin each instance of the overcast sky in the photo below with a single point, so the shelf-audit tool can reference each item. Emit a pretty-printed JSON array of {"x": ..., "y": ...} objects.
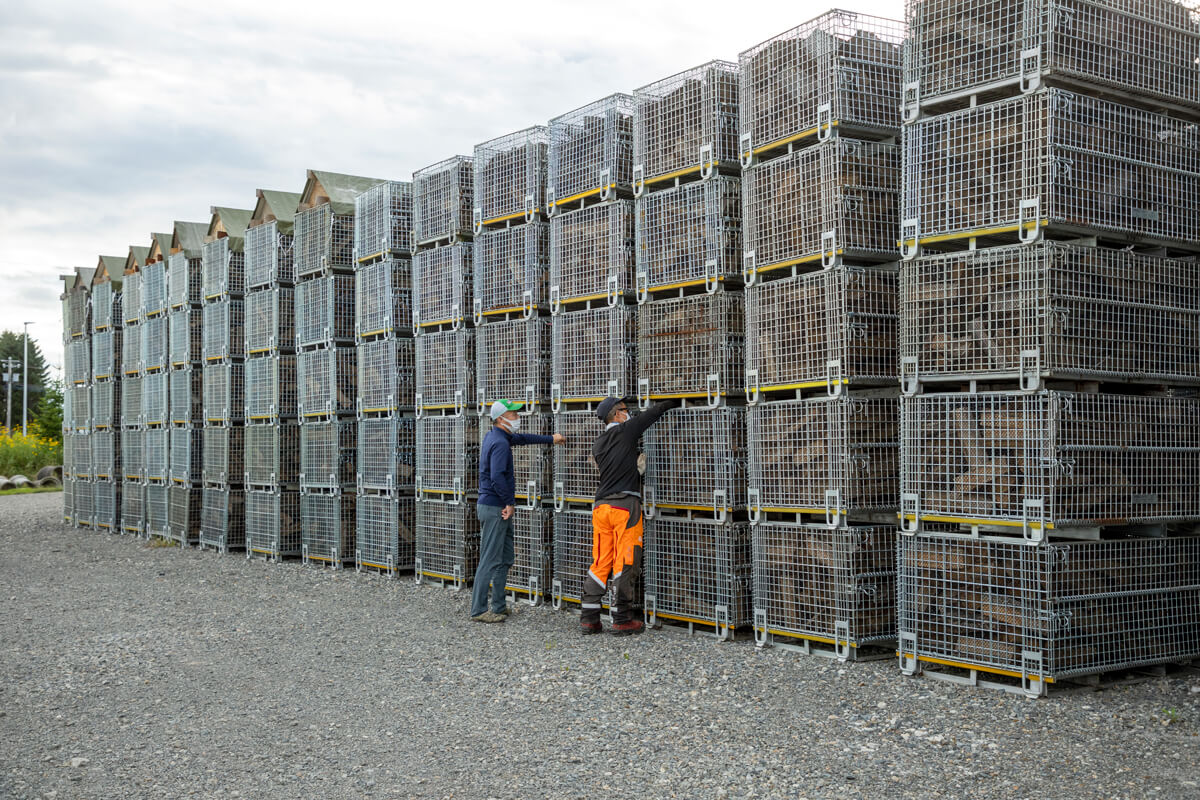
[{"x": 117, "y": 118}]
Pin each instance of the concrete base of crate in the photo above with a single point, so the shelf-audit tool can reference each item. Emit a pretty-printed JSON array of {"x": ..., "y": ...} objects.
[{"x": 1031, "y": 686}]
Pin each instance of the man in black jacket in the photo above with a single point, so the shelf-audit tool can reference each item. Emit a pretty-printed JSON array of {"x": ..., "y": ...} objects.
[{"x": 617, "y": 516}]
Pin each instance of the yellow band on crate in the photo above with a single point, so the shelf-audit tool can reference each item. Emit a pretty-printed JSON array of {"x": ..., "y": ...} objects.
[
  {"x": 682, "y": 284},
  {"x": 507, "y": 217},
  {"x": 694, "y": 620},
  {"x": 804, "y": 385},
  {"x": 679, "y": 173},
  {"x": 950, "y": 237},
  {"x": 1007, "y": 523},
  {"x": 582, "y": 195},
  {"x": 978, "y": 668}
]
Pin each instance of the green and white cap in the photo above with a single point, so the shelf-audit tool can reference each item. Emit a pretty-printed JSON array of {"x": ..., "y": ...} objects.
[{"x": 500, "y": 406}]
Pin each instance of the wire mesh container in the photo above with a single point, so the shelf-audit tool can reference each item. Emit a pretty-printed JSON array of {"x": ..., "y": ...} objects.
[
  {"x": 84, "y": 493},
  {"x": 328, "y": 378},
  {"x": 447, "y": 456},
  {"x": 131, "y": 298},
  {"x": 1047, "y": 613},
  {"x": 223, "y": 454},
  {"x": 183, "y": 514},
  {"x": 1037, "y": 461},
  {"x": 532, "y": 570},
  {"x": 695, "y": 461},
  {"x": 184, "y": 281},
  {"x": 837, "y": 200},
  {"x": 442, "y": 283},
  {"x": 77, "y": 314},
  {"x": 271, "y": 388},
  {"x": 838, "y": 71},
  {"x": 153, "y": 340},
  {"x": 105, "y": 401},
  {"x": 533, "y": 465},
  {"x": 512, "y": 361},
  {"x": 77, "y": 402},
  {"x": 386, "y": 375},
  {"x": 829, "y": 455},
  {"x": 699, "y": 570},
  {"x": 447, "y": 541},
  {"x": 325, "y": 310},
  {"x": 573, "y": 557},
  {"x": 1148, "y": 49},
  {"x": 224, "y": 329},
  {"x": 101, "y": 306},
  {"x": 512, "y": 266},
  {"x": 155, "y": 396},
  {"x": 131, "y": 401},
  {"x": 223, "y": 518},
  {"x": 133, "y": 462},
  {"x": 272, "y": 455},
  {"x": 156, "y": 510},
  {"x": 270, "y": 320},
  {"x": 68, "y": 500},
  {"x": 575, "y": 476},
  {"x": 383, "y": 298},
  {"x": 185, "y": 328},
  {"x": 224, "y": 391},
  {"x": 687, "y": 123},
  {"x": 268, "y": 257},
  {"x": 78, "y": 357},
  {"x": 593, "y": 354},
  {"x": 689, "y": 234},
  {"x": 106, "y": 455},
  {"x": 106, "y": 505},
  {"x": 445, "y": 370},
  {"x": 273, "y": 523},
  {"x": 133, "y": 507},
  {"x": 323, "y": 242},
  {"x": 223, "y": 270},
  {"x": 106, "y": 350},
  {"x": 186, "y": 401},
  {"x": 80, "y": 445},
  {"x": 387, "y": 453},
  {"x": 153, "y": 289},
  {"x": 383, "y": 221},
  {"x": 443, "y": 200},
  {"x": 692, "y": 348},
  {"x": 328, "y": 454},
  {"x": 131, "y": 352},
  {"x": 1051, "y": 158},
  {"x": 327, "y": 527},
  {"x": 592, "y": 253},
  {"x": 187, "y": 464},
  {"x": 1049, "y": 310},
  {"x": 510, "y": 177},
  {"x": 591, "y": 151},
  {"x": 386, "y": 536},
  {"x": 833, "y": 328},
  {"x": 156, "y": 446}
]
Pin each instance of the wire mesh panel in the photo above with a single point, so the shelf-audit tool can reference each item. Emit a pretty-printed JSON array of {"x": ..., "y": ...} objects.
[
  {"x": 831, "y": 328},
  {"x": 223, "y": 454},
  {"x": 383, "y": 220},
  {"x": 512, "y": 361},
  {"x": 186, "y": 331},
  {"x": 133, "y": 507},
  {"x": 102, "y": 299},
  {"x": 273, "y": 523},
  {"x": 184, "y": 281},
  {"x": 387, "y": 453},
  {"x": 512, "y": 266},
  {"x": 224, "y": 392},
  {"x": 831, "y": 455},
  {"x": 692, "y": 347},
  {"x": 839, "y": 70},
  {"x": 328, "y": 380},
  {"x": 1050, "y": 310},
  {"x": 447, "y": 541},
  {"x": 696, "y": 459},
  {"x": 132, "y": 456},
  {"x": 270, "y": 320},
  {"x": 105, "y": 405},
  {"x": 323, "y": 241},
  {"x": 78, "y": 358},
  {"x": 156, "y": 510},
  {"x": 328, "y": 454},
  {"x": 154, "y": 344},
  {"x": 106, "y": 349},
  {"x": 442, "y": 282},
  {"x": 1051, "y": 612},
  {"x": 186, "y": 402},
  {"x": 386, "y": 537},
  {"x": 532, "y": 570},
  {"x": 223, "y": 518},
  {"x": 84, "y": 504},
  {"x": 327, "y": 527},
  {"x": 68, "y": 500},
  {"x": 689, "y": 234},
  {"x": 533, "y": 465},
  {"x": 268, "y": 256},
  {"x": 447, "y": 456},
  {"x": 77, "y": 315},
  {"x": 77, "y": 402},
  {"x": 106, "y": 455},
  {"x": 1051, "y": 158},
  {"x": 155, "y": 395},
  {"x": 443, "y": 199},
  {"x": 575, "y": 474},
  {"x": 224, "y": 329},
  {"x": 131, "y": 351},
  {"x": 80, "y": 445},
  {"x": 593, "y": 354},
  {"x": 591, "y": 150},
  {"x": 383, "y": 298},
  {"x": 183, "y": 514},
  {"x": 1146, "y": 48},
  {"x": 510, "y": 176},
  {"x": 154, "y": 289},
  {"x": 224, "y": 270},
  {"x": 572, "y": 555},
  {"x": 271, "y": 388},
  {"x": 592, "y": 252},
  {"x": 1050, "y": 459},
  {"x": 699, "y": 571},
  {"x": 156, "y": 445},
  {"x": 686, "y": 123},
  {"x": 131, "y": 401},
  {"x": 386, "y": 375},
  {"x": 272, "y": 454},
  {"x": 106, "y": 505},
  {"x": 325, "y": 310},
  {"x": 187, "y": 465},
  {"x": 131, "y": 298},
  {"x": 445, "y": 369}
]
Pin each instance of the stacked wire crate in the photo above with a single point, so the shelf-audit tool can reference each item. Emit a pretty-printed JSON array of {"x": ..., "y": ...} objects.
[
  {"x": 185, "y": 382},
  {"x": 68, "y": 515},
  {"x": 77, "y": 350},
  {"x": 690, "y": 347},
  {"x": 512, "y": 332},
  {"x": 271, "y": 440},
  {"x": 819, "y": 125},
  {"x": 447, "y": 547},
  {"x": 133, "y": 492},
  {"x": 589, "y": 188},
  {"x": 104, "y": 419},
  {"x": 156, "y": 434},
  {"x": 1050, "y": 430},
  {"x": 386, "y": 507},
  {"x": 223, "y": 286}
]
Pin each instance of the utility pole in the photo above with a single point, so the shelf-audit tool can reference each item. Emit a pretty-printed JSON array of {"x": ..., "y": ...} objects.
[
  {"x": 8, "y": 364},
  {"x": 25, "y": 385}
]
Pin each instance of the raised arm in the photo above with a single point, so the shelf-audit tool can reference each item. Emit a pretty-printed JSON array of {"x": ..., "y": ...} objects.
[
  {"x": 519, "y": 439},
  {"x": 638, "y": 425}
]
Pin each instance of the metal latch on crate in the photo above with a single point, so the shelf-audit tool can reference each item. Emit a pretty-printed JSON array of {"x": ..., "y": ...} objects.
[
  {"x": 761, "y": 637},
  {"x": 639, "y": 179},
  {"x": 649, "y": 506},
  {"x": 643, "y": 393},
  {"x": 752, "y": 394},
  {"x": 531, "y": 496},
  {"x": 746, "y": 150},
  {"x": 555, "y": 397},
  {"x": 754, "y": 506},
  {"x": 825, "y": 130},
  {"x": 477, "y": 311},
  {"x": 909, "y": 663},
  {"x": 551, "y": 201},
  {"x": 477, "y": 221},
  {"x": 829, "y": 254},
  {"x": 721, "y": 622},
  {"x": 1033, "y": 673},
  {"x": 841, "y": 639},
  {"x": 556, "y": 594},
  {"x": 418, "y": 573},
  {"x": 1033, "y": 510},
  {"x": 1031, "y": 370},
  {"x": 1031, "y": 69},
  {"x": 419, "y": 399},
  {"x": 713, "y": 390},
  {"x": 720, "y": 503},
  {"x": 708, "y": 166},
  {"x": 910, "y": 102},
  {"x": 650, "y": 610},
  {"x": 606, "y": 192},
  {"x": 833, "y": 507},
  {"x": 555, "y": 299},
  {"x": 460, "y": 402},
  {"x": 456, "y": 316},
  {"x": 910, "y": 384},
  {"x": 534, "y": 590},
  {"x": 833, "y": 377},
  {"x": 712, "y": 279},
  {"x": 480, "y": 402},
  {"x": 530, "y": 208},
  {"x": 530, "y": 400},
  {"x": 613, "y": 389},
  {"x": 417, "y": 484},
  {"x": 560, "y": 501},
  {"x": 527, "y": 304},
  {"x": 460, "y": 580},
  {"x": 910, "y": 508},
  {"x": 1030, "y": 228},
  {"x": 614, "y": 290},
  {"x": 748, "y": 268},
  {"x": 910, "y": 248},
  {"x": 641, "y": 285}
]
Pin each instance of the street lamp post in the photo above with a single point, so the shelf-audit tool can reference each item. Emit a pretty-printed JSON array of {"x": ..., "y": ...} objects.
[
  {"x": 25, "y": 385},
  {"x": 9, "y": 377}
]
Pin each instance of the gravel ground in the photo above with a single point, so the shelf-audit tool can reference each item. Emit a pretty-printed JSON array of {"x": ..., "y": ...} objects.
[{"x": 130, "y": 671}]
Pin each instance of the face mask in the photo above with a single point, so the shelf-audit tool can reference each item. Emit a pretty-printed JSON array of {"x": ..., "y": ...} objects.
[{"x": 513, "y": 425}]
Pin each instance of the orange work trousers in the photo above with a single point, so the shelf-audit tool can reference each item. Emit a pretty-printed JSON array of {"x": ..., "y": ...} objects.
[{"x": 617, "y": 550}]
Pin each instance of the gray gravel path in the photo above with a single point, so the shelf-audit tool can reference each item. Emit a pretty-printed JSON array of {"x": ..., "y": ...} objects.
[{"x": 135, "y": 672}]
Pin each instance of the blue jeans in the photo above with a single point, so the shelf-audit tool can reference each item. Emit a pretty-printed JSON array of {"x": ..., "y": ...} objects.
[{"x": 495, "y": 557}]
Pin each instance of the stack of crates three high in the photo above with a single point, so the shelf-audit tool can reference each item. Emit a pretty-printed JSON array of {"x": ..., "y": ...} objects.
[
  {"x": 690, "y": 347},
  {"x": 223, "y": 347},
  {"x": 447, "y": 423},
  {"x": 386, "y": 508},
  {"x": 1050, "y": 430},
  {"x": 589, "y": 189},
  {"x": 512, "y": 332},
  {"x": 326, "y": 365},
  {"x": 77, "y": 417},
  {"x": 104, "y": 421},
  {"x": 819, "y": 121},
  {"x": 133, "y": 492},
  {"x": 156, "y": 431},
  {"x": 185, "y": 381},
  {"x": 271, "y": 440}
]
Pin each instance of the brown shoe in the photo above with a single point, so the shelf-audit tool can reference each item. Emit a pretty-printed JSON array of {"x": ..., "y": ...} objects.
[
  {"x": 627, "y": 628},
  {"x": 488, "y": 616}
]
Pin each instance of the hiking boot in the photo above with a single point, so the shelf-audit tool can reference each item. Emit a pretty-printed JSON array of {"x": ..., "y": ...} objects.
[
  {"x": 488, "y": 616},
  {"x": 627, "y": 628},
  {"x": 590, "y": 628},
  {"x": 506, "y": 612}
]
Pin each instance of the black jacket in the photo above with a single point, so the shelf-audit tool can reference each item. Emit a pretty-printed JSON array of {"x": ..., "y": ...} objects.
[{"x": 616, "y": 452}]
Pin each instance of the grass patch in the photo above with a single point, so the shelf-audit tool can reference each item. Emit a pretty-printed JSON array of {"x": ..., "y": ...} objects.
[
  {"x": 31, "y": 490},
  {"x": 25, "y": 455},
  {"x": 159, "y": 541}
]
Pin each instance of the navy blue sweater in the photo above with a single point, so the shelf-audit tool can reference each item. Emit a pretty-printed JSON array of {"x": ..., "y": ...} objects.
[{"x": 496, "y": 482}]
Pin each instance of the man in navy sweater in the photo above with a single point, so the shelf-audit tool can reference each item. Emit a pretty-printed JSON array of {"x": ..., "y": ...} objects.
[{"x": 496, "y": 500}]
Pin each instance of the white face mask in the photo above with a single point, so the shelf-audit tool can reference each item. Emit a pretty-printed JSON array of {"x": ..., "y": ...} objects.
[{"x": 513, "y": 425}]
